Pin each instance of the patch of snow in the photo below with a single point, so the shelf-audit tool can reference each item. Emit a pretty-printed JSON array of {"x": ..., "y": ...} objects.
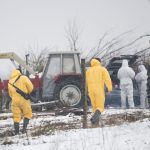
[{"x": 125, "y": 137}]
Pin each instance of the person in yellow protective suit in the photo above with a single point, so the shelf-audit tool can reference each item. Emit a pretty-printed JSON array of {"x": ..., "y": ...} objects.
[
  {"x": 97, "y": 77},
  {"x": 20, "y": 107}
]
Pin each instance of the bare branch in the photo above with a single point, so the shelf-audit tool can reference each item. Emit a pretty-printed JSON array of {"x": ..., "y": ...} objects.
[
  {"x": 107, "y": 46},
  {"x": 129, "y": 44},
  {"x": 72, "y": 35},
  {"x": 37, "y": 58}
]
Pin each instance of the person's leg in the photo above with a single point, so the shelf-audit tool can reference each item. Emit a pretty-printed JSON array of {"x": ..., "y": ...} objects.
[
  {"x": 143, "y": 94},
  {"x": 146, "y": 102},
  {"x": 130, "y": 95},
  {"x": 25, "y": 124},
  {"x": 99, "y": 100},
  {"x": 123, "y": 96},
  {"x": 1, "y": 100},
  {"x": 16, "y": 127},
  {"x": 92, "y": 99},
  {"x": 96, "y": 117},
  {"x": 142, "y": 100},
  {"x": 27, "y": 114},
  {"x": 16, "y": 117},
  {"x": 0, "y": 104},
  {"x": 99, "y": 106}
]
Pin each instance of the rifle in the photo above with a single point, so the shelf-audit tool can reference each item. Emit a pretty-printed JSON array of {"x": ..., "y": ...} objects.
[{"x": 23, "y": 94}]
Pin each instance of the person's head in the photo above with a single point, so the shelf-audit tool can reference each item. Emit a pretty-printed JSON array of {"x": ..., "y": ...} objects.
[
  {"x": 98, "y": 59},
  {"x": 95, "y": 62},
  {"x": 141, "y": 68},
  {"x": 124, "y": 63},
  {"x": 19, "y": 69},
  {"x": 15, "y": 73}
]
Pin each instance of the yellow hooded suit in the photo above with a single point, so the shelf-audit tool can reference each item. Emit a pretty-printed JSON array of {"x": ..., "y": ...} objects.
[
  {"x": 20, "y": 107},
  {"x": 96, "y": 77}
]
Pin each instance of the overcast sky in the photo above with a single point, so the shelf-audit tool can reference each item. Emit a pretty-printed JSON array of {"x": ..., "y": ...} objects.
[{"x": 28, "y": 22}]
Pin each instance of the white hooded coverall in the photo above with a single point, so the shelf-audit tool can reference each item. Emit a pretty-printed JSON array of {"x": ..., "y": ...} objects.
[
  {"x": 141, "y": 79},
  {"x": 125, "y": 75}
]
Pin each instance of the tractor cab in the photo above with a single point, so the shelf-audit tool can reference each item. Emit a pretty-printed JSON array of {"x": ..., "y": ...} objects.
[{"x": 62, "y": 78}]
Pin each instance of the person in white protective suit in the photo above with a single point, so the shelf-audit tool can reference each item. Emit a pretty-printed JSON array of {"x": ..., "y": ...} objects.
[
  {"x": 125, "y": 75},
  {"x": 141, "y": 79}
]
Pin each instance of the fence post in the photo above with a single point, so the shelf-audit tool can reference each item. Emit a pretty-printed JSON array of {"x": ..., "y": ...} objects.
[
  {"x": 148, "y": 84},
  {"x": 84, "y": 94}
]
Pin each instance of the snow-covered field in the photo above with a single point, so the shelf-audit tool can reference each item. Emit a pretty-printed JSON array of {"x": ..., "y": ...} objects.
[{"x": 126, "y": 136}]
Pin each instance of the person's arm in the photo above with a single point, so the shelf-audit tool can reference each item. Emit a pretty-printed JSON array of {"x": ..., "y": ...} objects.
[
  {"x": 107, "y": 79},
  {"x": 132, "y": 73},
  {"x": 137, "y": 77},
  {"x": 142, "y": 76},
  {"x": 28, "y": 84},
  {"x": 9, "y": 91},
  {"x": 118, "y": 74}
]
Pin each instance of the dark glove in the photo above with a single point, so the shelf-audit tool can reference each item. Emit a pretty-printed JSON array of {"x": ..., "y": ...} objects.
[{"x": 33, "y": 99}]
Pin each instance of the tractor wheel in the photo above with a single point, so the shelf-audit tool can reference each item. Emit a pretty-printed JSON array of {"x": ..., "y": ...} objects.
[{"x": 69, "y": 94}]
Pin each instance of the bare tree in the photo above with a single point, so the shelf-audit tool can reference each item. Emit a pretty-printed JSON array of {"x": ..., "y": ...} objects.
[
  {"x": 93, "y": 51},
  {"x": 122, "y": 48},
  {"x": 72, "y": 35},
  {"x": 107, "y": 48},
  {"x": 106, "y": 45},
  {"x": 37, "y": 58}
]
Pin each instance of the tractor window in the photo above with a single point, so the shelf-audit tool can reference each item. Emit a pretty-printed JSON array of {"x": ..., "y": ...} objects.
[
  {"x": 68, "y": 64},
  {"x": 54, "y": 66}
]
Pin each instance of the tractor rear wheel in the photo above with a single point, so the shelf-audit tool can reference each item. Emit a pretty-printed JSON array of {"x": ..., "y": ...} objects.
[{"x": 69, "y": 94}]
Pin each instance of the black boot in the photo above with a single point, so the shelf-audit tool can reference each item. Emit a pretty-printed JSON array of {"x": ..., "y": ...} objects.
[
  {"x": 25, "y": 124},
  {"x": 16, "y": 127},
  {"x": 95, "y": 117}
]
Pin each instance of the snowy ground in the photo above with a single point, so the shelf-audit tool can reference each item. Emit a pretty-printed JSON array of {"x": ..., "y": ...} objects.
[{"x": 127, "y": 135}]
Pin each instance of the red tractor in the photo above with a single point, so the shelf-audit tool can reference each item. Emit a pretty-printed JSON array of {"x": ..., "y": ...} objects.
[{"x": 60, "y": 82}]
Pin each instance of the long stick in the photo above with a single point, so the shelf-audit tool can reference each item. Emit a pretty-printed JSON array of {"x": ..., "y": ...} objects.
[{"x": 84, "y": 94}]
